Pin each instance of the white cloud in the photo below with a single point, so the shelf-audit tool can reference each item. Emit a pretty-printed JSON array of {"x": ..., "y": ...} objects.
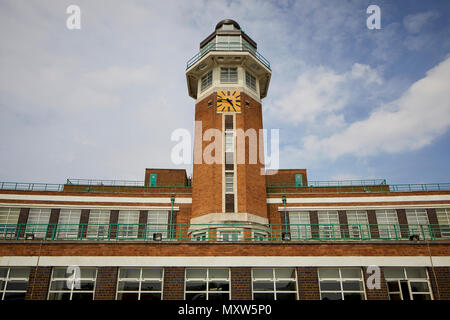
[
  {"x": 415, "y": 22},
  {"x": 411, "y": 122}
]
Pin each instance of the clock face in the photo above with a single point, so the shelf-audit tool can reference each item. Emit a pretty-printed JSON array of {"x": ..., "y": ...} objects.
[{"x": 228, "y": 101}]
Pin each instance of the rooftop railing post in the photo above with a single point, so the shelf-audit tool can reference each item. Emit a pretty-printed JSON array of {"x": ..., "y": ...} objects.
[
  {"x": 172, "y": 201},
  {"x": 283, "y": 198}
]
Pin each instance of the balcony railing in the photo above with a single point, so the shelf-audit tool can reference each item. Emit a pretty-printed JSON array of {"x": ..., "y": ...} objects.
[
  {"x": 217, "y": 232},
  {"x": 212, "y": 46}
]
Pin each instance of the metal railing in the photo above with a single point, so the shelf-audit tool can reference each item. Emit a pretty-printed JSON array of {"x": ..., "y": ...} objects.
[
  {"x": 224, "y": 232},
  {"x": 212, "y": 46}
]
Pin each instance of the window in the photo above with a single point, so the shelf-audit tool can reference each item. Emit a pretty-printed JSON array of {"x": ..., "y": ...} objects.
[
  {"x": 228, "y": 75},
  {"x": 140, "y": 284},
  {"x": 443, "y": 216},
  {"x": 207, "y": 284},
  {"x": 153, "y": 179},
  {"x": 418, "y": 222},
  {"x": 229, "y": 177},
  {"x": 407, "y": 283},
  {"x": 200, "y": 236},
  {"x": 329, "y": 225},
  {"x": 300, "y": 225},
  {"x": 230, "y": 235},
  {"x": 229, "y": 150},
  {"x": 388, "y": 223},
  {"x": 72, "y": 284},
  {"x": 9, "y": 218},
  {"x": 98, "y": 226},
  {"x": 68, "y": 224},
  {"x": 299, "y": 180},
  {"x": 14, "y": 283},
  {"x": 341, "y": 284},
  {"x": 228, "y": 42},
  {"x": 38, "y": 220},
  {"x": 250, "y": 80},
  {"x": 227, "y": 27},
  {"x": 157, "y": 222},
  {"x": 274, "y": 284},
  {"x": 128, "y": 224},
  {"x": 358, "y": 224},
  {"x": 260, "y": 236},
  {"x": 206, "y": 81}
]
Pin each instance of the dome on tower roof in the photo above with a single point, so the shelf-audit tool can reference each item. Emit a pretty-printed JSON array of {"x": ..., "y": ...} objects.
[{"x": 228, "y": 21}]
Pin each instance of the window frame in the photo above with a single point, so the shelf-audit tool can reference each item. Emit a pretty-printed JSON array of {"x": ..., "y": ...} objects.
[
  {"x": 408, "y": 280},
  {"x": 140, "y": 280},
  {"x": 207, "y": 280},
  {"x": 274, "y": 279},
  {"x": 250, "y": 80},
  {"x": 4, "y": 288},
  {"x": 72, "y": 290},
  {"x": 341, "y": 281},
  {"x": 206, "y": 80},
  {"x": 228, "y": 75}
]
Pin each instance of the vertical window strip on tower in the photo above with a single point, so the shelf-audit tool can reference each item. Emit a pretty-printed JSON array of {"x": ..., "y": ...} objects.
[
  {"x": 206, "y": 80},
  {"x": 68, "y": 224},
  {"x": 71, "y": 284},
  {"x": 14, "y": 283},
  {"x": 250, "y": 80},
  {"x": 207, "y": 284},
  {"x": 407, "y": 283},
  {"x": 443, "y": 217},
  {"x": 387, "y": 221},
  {"x": 9, "y": 218},
  {"x": 358, "y": 224},
  {"x": 98, "y": 225},
  {"x": 274, "y": 283},
  {"x": 37, "y": 223},
  {"x": 140, "y": 284},
  {"x": 341, "y": 284}
]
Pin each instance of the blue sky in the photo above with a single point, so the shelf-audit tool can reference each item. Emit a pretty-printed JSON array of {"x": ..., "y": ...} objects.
[{"x": 101, "y": 102}]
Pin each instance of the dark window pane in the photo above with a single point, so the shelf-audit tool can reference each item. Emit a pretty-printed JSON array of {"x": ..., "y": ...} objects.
[
  {"x": 286, "y": 296},
  {"x": 128, "y": 286},
  {"x": 263, "y": 296},
  {"x": 393, "y": 286},
  {"x": 421, "y": 297},
  {"x": 352, "y": 285},
  {"x": 2, "y": 284},
  {"x": 219, "y": 286},
  {"x": 150, "y": 296},
  {"x": 59, "y": 296},
  {"x": 405, "y": 290},
  {"x": 3, "y": 272},
  {"x": 195, "y": 285},
  {"x": 128, "y": 296},
  {"x": 195, "y": 296},
  {"x": 395, "y": 296},
  {"x": 17, "y": 285},
  {"x": 419, "y": 286},
  {"x": 330, "y": 285},
  {"x": 331, "y": 296},
  {"x": 85, "y": 285},
  {"x": 353, "y": 296},
  {"x": 219, "y": 296},
  {"x": 82, "y": 296},
  {"x": 285, "y": 285},
  {"x": 151, "y": 286},
  {"x": 14, "y": 295},
  {"x": 263, "y": 286},
  {"x": 60, "y": 285}
]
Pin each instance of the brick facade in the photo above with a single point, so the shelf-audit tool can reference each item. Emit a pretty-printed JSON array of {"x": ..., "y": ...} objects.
[
  {"x": 441, "y": 290},
  {"x": 38, "y": 283},
  {"x": 106, "y": 284},
  {"x": 308, "y": 283},
  {"x": 241, "y": 283},
  {"x": 374, "y": 293},
  {"x": 173, "y": 283}
]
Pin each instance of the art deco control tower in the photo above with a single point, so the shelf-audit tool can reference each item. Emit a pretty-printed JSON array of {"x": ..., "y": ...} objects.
[{"x": 228, "y": 78}]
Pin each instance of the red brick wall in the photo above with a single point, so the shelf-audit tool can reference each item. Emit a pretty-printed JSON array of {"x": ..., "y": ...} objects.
[
  {"x": 308, "y": 283},
  {"x": 105, "y": 286},
  {"x": 173, "y": 283},
  {"x": 167, "y": 177},
  {"x": 38, "y": 283},
  {"x": 376, "y": 294},
  {"x": 241, "y": 283},
  {"x": 286, "y": 177},
  {"x": 441, "y": 291}
]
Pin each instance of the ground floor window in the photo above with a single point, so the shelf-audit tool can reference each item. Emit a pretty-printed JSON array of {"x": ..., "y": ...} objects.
[
  {"x": 140, "y": 284},
  {"x": 207, "y": 284},
  {"x": 274, "y": 284},
  {"x": 407, "y": 283},
  {"x": 14, "y": 283},
  {"x": 341, "y": 284},
  {"x": 72, "y": 283}
]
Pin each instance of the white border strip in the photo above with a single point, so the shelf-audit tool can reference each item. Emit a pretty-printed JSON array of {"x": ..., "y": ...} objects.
[
  {"x": 443, "y": 197},
  {"x": 357, "y": 207},
  {"x": 233, "y": 261},
  {"x": 91, "y": 206}
]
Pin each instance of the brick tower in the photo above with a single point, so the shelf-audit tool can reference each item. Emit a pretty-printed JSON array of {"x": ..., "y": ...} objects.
[{"x": 228, "y": 79}]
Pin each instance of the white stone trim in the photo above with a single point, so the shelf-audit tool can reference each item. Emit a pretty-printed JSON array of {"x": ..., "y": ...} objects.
[
  {"x": 442, "y": 197},
  {"x": 221, "y": 217}
]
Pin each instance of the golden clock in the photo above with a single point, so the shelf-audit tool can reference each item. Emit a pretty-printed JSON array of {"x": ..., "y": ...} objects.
[{"x": 228, "y": 101}]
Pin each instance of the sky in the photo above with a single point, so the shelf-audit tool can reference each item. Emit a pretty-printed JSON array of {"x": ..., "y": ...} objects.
[{"x": 101, "y": 102}]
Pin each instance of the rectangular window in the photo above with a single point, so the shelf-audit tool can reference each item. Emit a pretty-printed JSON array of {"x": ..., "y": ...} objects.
[
  {"x": 229, "y": 202},
  {"x": 157, "y": 222},
  {"x": 443, "y": 216},
  {"x": 228, "y": 42},
  {"x": 68, "y": 224},
  {"x": 388, "y": 226},
  {"x": 200, "y": 236},
  {"x": 206, "y": 81},
  {"x": 228, "y": 75},
  {"x": 407, "y": 283},
  {"x": 329, "y": 225},
  {"x": 207, "y": 284},
  {"x": 274, "y": 284},
  {"x": 299, "y": 180},
  {"x": 37, "y": 223},
  {"x": 230, "y": 235},
  {"x": 300, "y": 225},
  {"x": 14, "y": 283},
  {"x": 229, "y": 179},
  {"x": 72, "y": 283},
  {"x": 140, "y": 284},
  {"x": 229, "y": 150},
  {"x": 341, "y": 284},
  {"x": 250, "y": 80},
  {"x": 418, "y": 223},
  {"x": 358, "y": 224},
  {"x": 9, "y": 218},
  {"x": 98, "y": 226},
  {"x": 128, "y": 224}
]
